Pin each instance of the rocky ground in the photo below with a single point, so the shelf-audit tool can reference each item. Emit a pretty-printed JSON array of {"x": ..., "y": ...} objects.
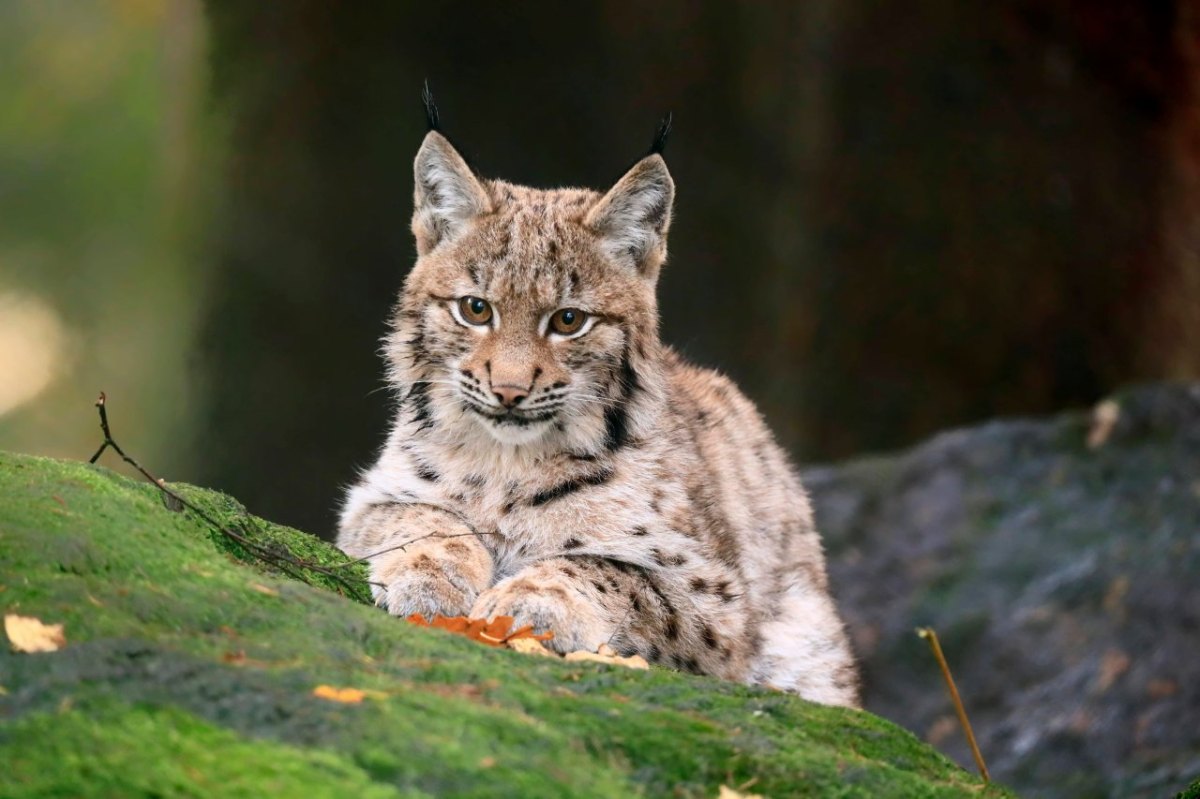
[
  {"x": 187, "y": 671},
  {"x": 1063, "y": 577}
]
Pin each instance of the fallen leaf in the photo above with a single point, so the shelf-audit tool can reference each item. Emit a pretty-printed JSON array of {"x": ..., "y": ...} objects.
[
  {"x": 1161, "y": 689},
  {"x": 1104, "y": 419},
  {"x": 27, "y": 634},
  {"x": 528, "y": 646},
  {"x": 493, "y": 633},
  {"x": 487, "y": 762},
  {"x": 606, "y": 655},
  {"x": 496, "y": 631},
  {"x": 454, "y": 624},
  {"x": 475, "y": 629},
  {"x": 730, "y": 793},
  {"x": 527, "y": 632},
  {"x": 263, "y": 589},
  {"x": 1113, "y": 665},
  {"x": 351, "y": 696}
]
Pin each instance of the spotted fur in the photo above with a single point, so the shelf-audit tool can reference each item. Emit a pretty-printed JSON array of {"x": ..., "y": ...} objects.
[{"x": 627, "y": 497}]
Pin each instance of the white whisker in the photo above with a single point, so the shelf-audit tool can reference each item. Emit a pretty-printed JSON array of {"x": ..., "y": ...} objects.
[{"x": 607, "y": 402}]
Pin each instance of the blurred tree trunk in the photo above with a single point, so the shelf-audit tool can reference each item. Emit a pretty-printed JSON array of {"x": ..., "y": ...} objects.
[
  {"x": 891, "y": 218},
  {"x": 1172, "y": 317},
  {"x": 991, "y": 210}
]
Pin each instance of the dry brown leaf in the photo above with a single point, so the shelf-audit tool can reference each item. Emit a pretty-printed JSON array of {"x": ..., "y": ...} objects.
[
  {"x": 262, "y": 589},
  {"x": 528, "y": 646},
  {"x": 27, "y": 634},
  {"x": 455, "y": 624},
  {"x": 1155, "y": 688},
  {"x": 351, "y": 696},
  {"x": 606, "y": 655},
  {"x": 527, "y": 632},
  {"x": 730, "y": 793},
  {"x": 475, "y": 629},
  {"x": 493, "y": 633},
  {"x": 1113, "y": 665}
]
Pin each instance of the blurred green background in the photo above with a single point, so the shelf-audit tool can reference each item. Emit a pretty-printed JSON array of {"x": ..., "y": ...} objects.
[
  {"x": 891, "y": 219},
  {"x": 108, "y": 157}
]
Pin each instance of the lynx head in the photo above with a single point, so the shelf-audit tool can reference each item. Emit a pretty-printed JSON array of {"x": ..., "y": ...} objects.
[{"x": 530, "y": 315}]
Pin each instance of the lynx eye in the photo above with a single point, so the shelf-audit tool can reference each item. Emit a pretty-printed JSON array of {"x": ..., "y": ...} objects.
[
  {"x": 567, "y": 321},
  {"x": 475, "y": 311}
]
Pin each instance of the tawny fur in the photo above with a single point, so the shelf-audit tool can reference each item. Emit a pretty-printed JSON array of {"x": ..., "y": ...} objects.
[{"x": 630, "y": 498}]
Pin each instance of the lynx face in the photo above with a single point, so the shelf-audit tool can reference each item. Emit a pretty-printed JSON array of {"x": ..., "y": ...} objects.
[{"x": 524, "y": 308}]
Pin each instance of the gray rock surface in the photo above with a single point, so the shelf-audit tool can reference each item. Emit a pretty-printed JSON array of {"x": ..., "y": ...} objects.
[{"x": 1063, "y": 578}]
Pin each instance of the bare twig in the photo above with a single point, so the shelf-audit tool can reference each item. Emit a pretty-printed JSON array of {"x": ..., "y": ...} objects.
[
  {"x": 403, "y": 545},
  {"x": 620, "y": 628},
  {"x": 280, "y": 558},
  {"x": 929, "y": 635}
]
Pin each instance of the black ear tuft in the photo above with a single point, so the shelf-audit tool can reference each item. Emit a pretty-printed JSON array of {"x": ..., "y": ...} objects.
[
  {"x": 431, "y": 111},
  {"x": 660, "y": 137}
]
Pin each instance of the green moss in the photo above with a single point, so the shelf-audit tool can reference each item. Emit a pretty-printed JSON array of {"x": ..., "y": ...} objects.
[
  {"x": 348, "y": 577},
  {"x": 121, "y": 750},
  {"x": 1191, "y": 792},
  {"x": 190, "y": 672}
]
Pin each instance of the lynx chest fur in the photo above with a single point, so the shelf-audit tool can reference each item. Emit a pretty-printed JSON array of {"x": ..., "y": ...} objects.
[{"x": 552, "y": 460}]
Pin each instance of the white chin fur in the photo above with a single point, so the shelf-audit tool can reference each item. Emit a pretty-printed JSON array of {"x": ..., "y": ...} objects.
[{"x": 514, "y": 435}]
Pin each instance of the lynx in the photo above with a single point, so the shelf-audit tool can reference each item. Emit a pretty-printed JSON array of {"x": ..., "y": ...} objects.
[{"x": 551, "y": 459}]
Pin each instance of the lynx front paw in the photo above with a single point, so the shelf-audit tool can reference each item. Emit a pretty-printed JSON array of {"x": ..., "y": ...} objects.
[
  {"x": 424, "y": 594},
  {"x": 547, "y": 605},
  {"x": 421, "y": 585}
]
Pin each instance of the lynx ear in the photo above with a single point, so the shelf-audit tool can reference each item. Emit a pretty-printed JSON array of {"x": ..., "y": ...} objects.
[
  {"x": 632, "y": 219},
  {"x": 447, "y": 194}
]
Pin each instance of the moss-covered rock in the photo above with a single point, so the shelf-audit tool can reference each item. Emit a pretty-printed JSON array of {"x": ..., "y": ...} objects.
[
  {"x": 1063, "y": 578},
  {"x": 190, "y": 672},
  {"x": 1191, "y": 792}
]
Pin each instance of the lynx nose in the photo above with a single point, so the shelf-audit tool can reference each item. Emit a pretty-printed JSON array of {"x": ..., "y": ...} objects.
[{"x": 510, "y": 395}]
